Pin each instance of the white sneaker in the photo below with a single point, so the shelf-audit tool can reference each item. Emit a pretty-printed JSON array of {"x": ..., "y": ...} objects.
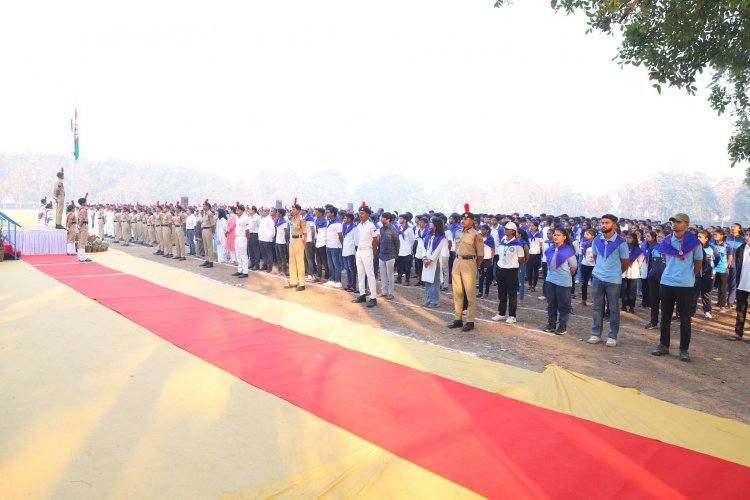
[
  {"x": 308, "y": 278},
  {"x": 611, "y": 342},
  {"x": 510, "y": 320},
  {"x": 328, "y": 284},
  {"x": 498, "y": 317},
  {"x": 594, "y": 339},
  {"x": 337, "y": 285},
  {"x": 542, "y": 297},
  {"x": 708, "y": 315}
]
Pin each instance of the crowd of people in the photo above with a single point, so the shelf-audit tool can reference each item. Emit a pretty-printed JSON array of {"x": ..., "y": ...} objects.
[{"x": 672, "y": 267}]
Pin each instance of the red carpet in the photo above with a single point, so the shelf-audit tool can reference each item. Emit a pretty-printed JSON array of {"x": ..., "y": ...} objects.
[{"x": 488, "y": 443}]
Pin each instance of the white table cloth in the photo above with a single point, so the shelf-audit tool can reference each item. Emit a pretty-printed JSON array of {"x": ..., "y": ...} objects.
[{"x": 37, "y": 241}]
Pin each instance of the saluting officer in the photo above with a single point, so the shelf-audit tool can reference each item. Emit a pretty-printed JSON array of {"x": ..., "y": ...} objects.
[
  {"x": 298, "y": 229},
  {"x": 469, "y": 256},
  {"x": 83, "y": 229},
  {"x": 59, "y": 193}
]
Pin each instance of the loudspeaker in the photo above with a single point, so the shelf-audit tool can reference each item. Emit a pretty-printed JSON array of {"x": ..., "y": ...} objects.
[
  {"x": 278, "y": 204},
  {"x": 184, "y": 201}
]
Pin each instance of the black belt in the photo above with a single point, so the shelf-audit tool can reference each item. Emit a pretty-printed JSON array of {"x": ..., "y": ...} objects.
[
  {"x": 300, "y": 236},
  {"x": 158, "y": 225},
  {"x": 467, "y": 257}
]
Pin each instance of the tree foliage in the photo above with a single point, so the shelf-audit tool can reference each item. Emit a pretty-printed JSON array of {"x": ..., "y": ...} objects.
[{"x": 676, "y": 40}]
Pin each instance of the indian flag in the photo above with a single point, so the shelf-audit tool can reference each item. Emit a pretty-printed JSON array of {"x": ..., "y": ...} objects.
[{"x": 74, "y": 129}]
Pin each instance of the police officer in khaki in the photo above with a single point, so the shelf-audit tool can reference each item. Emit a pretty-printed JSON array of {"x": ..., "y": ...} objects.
[
  {"x": 157, "y": 230},
  {"x": 166, "y": 231},
  {"x": 179, "y": 232},
  {"x": 70, "y": 225},
  {"x": 100, "y": 220},
  {"x": 207, "y": 233},
  {"x": 298, "y": 235},
  {"x": 469, "y": 256},
  {"x": 59, "y": 193}
]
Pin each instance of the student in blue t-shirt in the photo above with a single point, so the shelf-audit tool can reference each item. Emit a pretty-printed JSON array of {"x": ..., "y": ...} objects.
[
  {"x": 734, "y": 241},
  {"x": 705, "y": 279},
  {"x": 722, "y": 267},
  {"x": 611, "y": 259},
  {"x": 684, "y": 257}
]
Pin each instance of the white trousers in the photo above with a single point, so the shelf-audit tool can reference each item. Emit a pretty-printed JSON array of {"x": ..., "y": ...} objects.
[
  {"x": 444, "y": 270},
  {"x": 240, "y": 247},
  {"x": 365, "y": 269}
]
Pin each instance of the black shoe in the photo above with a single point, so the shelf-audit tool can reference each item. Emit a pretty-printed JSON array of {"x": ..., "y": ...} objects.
[
  {"x": 549, "y": 328},
  {"x": 660, "y": 350},
  {"x": 158, "y": 252},
  {"x": 561, "y": 330},
  {"x": 651, "y": 326},
  {"x": 243, "y": 275},
  {"x": 480, "y": 296},
  {"x": 372, "y": 303},
  {"x": 237, "y": 274},
  {"x": 204, "y": 264},
  {"x": 468, "y": 326},
  {"x": 183, "y": 258},
  {"x": 290, "y": 286},
  {"x": 58, "y": 226},
  {"x": 210, "y": 264},
  {"x": 456, "y": 323},
  {"x": 361, "y": 299},
  {"x": 177, "y": 258},
  {"x": 684, "y": 356},
  {"x": 300, "y": 288}
]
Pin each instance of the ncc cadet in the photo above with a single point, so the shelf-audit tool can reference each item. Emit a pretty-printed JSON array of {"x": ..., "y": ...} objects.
[
  {"x": 166, "y": 230},
  {"x": 179, "y": 232},
  {"x": 298, "y": 240},
  {"x": 469, "y": 256},
  {"x": 59, "y": 193},
  {"x": 83, "y": 229},
  {"x": 70, "y": 225}
]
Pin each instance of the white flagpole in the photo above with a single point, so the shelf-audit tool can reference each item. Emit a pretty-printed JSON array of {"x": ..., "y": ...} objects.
[{"x": 73, "y": 156}]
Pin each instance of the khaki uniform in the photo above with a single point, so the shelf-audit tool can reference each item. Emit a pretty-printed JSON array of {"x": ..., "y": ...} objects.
[
  {"x": 150, "y": 229},
  {"x": 179, "y": 233},
  {"x": 100, "y": 222},
  {"x": 166, "y": 232},
  {"x": 209, "y": 223},
  {"x": 83, "y": 231},
  {"x": 70, "y": 225},
  {"x": 125, "y": 228},
  {"x": 157, "y": 230},
  {"x": 59, "y": 193},
  {"x": 116, "y": 226},
  {"x": 297, "y": 251},
  {"x": 470, "y": 243}
]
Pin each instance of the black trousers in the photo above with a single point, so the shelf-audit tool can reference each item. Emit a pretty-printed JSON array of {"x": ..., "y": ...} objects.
[
  {"x": 485, "y": 277},
  {"x": 645, "y": 293},
  {"x": 703, "y": 288},
  {"x": 282, "y": 257},
  {"x": 418, "y": 264},
  {"x": 253, "y": 250},
  {"x": 309, "y": 258},
  {"x": 321, "y": 262},
  {"x": 403, "y": 266},
  {"x": 451, "y": 258},
  {"x": 722, "y": 281},
  {"x": 683, "y": 296},
  {"x": 585, "y": 277},
  {"x": 507, "y": 290},
  {"x": 532, "y": 268},
  {"x": 655, "y": 300},
  {"x": 739, "y": 325},
  {"x": 628, "y": 293},
  {"x": 266, "y": 248}
]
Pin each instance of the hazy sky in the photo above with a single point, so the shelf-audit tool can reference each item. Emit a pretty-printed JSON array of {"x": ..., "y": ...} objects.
[{"x": 422, "y": 87}]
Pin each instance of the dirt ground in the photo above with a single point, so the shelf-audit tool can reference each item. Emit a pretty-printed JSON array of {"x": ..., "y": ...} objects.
[{"x": 712, "y": 382}]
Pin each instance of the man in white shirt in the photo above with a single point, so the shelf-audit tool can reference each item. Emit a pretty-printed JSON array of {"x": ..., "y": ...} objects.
[
  {"x": 253, "y": 243},
  {"x": 282, "y": 239},
  {"x": 367, "y": 246},
  {"x": 405, "y": 257},
  {"x": 348, "y": 251},
  {"x": 334, "y": 240},
  {"x": 266, "y": 233},
  {"x": 190, "y": 227},
  {"x": 241, "y": 236},
  {"x": 321, "y": 234}
]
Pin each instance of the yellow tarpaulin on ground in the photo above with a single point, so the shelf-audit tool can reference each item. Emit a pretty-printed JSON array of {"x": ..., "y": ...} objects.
[{"x": 96, "y": 406}]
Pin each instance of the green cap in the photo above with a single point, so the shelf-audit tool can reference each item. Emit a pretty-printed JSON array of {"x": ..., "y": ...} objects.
[{"x": 680, "y": 217}]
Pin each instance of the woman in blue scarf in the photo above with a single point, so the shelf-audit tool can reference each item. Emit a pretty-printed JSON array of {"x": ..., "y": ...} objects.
[{"x": 562, "y": 265}]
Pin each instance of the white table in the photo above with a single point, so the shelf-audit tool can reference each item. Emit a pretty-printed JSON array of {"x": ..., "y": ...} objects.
[{"x": 37, "y": 241}]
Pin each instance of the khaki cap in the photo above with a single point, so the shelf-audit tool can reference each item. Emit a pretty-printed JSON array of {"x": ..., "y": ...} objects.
[{"x": 680, "y": 217}]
